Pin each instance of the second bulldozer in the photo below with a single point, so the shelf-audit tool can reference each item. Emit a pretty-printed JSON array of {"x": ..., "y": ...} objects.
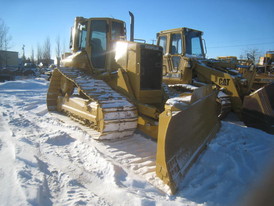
[
  {"x": 115, "y": 87},
  {"x": 184, "y": 63}
]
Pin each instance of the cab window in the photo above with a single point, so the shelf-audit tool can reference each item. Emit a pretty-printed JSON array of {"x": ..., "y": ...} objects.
[
  {"x": 176, "y": 44},
  {"x": 117, "y": 31},
  {"x": 82, "y": 36},
  {"x": 194, "y": 44},
  {"x": 99, "y": 42},
  {"x": 162, "y": 42}
]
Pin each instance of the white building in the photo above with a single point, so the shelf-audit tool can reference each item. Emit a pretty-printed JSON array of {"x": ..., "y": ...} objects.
[{"x": 9, "y": 59}]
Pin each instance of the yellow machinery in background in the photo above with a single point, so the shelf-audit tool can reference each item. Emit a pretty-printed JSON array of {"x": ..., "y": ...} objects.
[
  {"x": 228, "y": 59},
  {"x": 184, "y": 63},
  {"x": 115, "y": 86},
  {"x": 265, "y": 70},
  {"x": 235, "y": 60}
]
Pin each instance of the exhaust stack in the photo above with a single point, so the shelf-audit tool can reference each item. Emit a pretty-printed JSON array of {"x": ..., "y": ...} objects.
[{"x": 131, "y": 26}]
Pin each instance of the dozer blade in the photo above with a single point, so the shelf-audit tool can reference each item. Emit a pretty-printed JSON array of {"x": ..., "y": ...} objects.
[
  {"x": 183, "y": 135},
  {"x": 258, "y": 109}
]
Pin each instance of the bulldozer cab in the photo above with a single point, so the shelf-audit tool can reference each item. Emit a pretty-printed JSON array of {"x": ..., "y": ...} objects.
[
  {"x": 97, "y": 37},
  {"x": 179, "y": 44}
]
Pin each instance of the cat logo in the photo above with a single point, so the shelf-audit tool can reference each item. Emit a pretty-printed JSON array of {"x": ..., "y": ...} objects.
[{"x": 223, "y": 82}]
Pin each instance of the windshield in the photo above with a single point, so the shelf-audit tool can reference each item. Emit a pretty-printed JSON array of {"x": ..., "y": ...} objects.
[
  {"x": 194, "y": 44},
  {"x": 98, "y": 37}
]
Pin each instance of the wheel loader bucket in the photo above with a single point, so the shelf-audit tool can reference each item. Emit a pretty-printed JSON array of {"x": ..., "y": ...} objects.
[
  {"x": 183, "y": 135},
  {"x": 258, "y": 109}
]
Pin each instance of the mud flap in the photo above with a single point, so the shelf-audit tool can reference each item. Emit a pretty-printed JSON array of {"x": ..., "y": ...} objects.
[
  {"x": 258, "y": 109},
  {"x": 183, "y": 135}
]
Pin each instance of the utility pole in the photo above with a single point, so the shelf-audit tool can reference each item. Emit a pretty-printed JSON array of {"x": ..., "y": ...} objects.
[
  {"x": 23, "y": 48},
  {"x": 23, "y": 57}
]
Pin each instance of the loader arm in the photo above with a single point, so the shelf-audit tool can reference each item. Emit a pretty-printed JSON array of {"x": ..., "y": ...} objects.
[{"x": 222, "y": 80}]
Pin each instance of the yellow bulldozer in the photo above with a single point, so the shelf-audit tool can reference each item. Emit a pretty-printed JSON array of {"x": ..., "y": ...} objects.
[
  {"x": 265, "y": 70},
  {"x": 115, "y": 86},
  {"x": 184, "y": 63}
]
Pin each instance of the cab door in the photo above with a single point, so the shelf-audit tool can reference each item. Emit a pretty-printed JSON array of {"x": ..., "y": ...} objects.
[
  {"x": 99, "y": 43},
  {"x": 175, "y": 52},
  {"x": 172, "y": 51}
]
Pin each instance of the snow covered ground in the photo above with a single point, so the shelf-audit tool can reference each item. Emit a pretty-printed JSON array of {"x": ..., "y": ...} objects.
[{"x": 44, "y": 161}]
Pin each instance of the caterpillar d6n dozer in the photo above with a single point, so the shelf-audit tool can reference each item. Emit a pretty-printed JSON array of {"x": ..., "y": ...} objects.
[
  {"x": 184, "y": 62},
  {"x": 115, "y": 86}
]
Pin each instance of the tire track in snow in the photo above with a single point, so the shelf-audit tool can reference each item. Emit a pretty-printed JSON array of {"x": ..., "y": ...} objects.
[
  {"x": 59, "y": 164},
  {"x": 36, "y": 126},
  {"x": 32, "y": 125},
  {"x": 8, "y": 169},
  {"x": 25, "y": 133},
  {"x": 39, "y": 183},
  {"x": 68, "y": 171},
  {"x": 25, "y": 130}
]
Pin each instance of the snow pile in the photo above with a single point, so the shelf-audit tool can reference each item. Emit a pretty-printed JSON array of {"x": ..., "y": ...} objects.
[
  {"x": 233, "y": 161},
  {"x": 48, "y": 162}
]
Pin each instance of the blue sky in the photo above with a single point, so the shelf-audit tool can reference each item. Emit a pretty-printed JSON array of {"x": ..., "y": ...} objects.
[{"x": 230, "y": 26}]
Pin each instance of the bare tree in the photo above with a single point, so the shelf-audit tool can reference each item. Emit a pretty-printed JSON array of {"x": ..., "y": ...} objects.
[
  {"x": 252, "y": 54},
  {"x": 32, "y": 55},
  {"x": 46, "y": 52},
  {"x": 58, "y": 47},
  {"x": 23, "y": 56},
  {"x": 58, "y": 50},
  {"x": 65, "y": 47},
  {"x": 39, "y": 54},
  {"x": 5, "y": 39}
]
